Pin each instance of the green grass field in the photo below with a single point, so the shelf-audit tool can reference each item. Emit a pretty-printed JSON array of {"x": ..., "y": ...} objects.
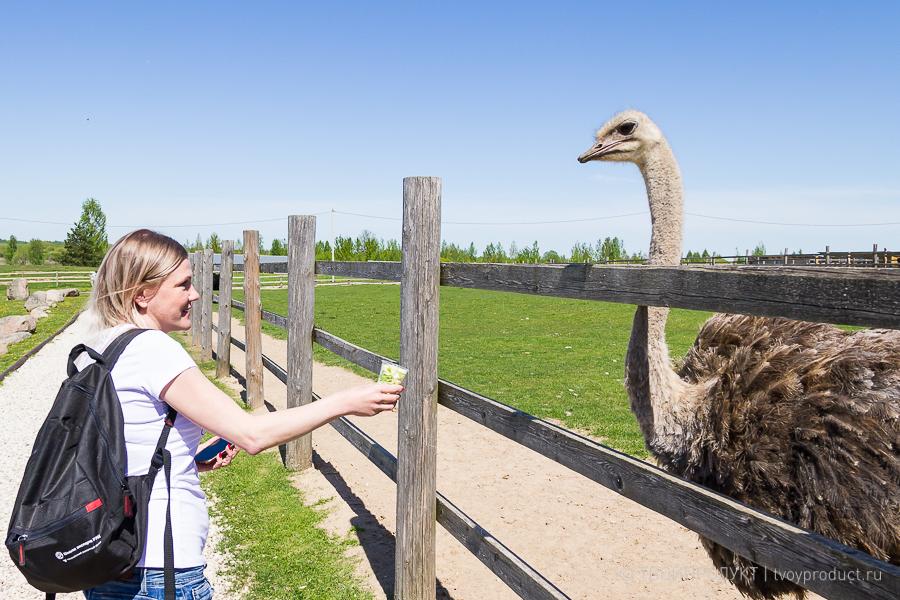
[{"x": 551, "y": 357}]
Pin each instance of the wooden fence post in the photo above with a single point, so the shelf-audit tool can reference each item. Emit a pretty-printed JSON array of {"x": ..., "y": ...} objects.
[
  {"x": 417, "y": 428},
  {"x": 223, "y": 350},
  {"x": 253, "y": 319},
  {"x": 206, "y": 305},
  {"x": 196, "y": 308},
  {"x": 301, "y": 315}
]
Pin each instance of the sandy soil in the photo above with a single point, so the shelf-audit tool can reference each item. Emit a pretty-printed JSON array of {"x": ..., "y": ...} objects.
[{"x": 587, "y": 540}]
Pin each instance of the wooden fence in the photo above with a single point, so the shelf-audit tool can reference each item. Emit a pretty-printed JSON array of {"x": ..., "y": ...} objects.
[
  {"x": 848, "y": 296},
  {"x": 56, "y": 277}
]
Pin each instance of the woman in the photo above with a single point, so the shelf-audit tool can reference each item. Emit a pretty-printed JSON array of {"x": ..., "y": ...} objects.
[{"x": 145, "y": 281}]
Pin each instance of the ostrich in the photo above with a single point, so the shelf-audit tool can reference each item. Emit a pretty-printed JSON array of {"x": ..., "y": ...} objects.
[{"x": 798, "y": 419}]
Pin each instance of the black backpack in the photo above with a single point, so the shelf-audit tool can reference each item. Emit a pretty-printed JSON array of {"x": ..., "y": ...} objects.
[{"x": 78, "y": 521}]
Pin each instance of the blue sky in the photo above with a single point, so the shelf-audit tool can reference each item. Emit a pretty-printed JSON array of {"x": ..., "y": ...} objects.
[{"x": 196, "y": 113}]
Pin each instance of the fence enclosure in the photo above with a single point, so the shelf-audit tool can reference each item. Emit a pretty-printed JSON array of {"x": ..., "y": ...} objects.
[{"x": 865, "y": 297}]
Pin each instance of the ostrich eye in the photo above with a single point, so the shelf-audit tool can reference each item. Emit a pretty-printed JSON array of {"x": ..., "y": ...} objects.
[{"x": 626, "y": 128}]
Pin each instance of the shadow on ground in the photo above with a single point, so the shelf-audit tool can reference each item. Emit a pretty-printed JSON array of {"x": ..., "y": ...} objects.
[{"x": 375, "y": 539}]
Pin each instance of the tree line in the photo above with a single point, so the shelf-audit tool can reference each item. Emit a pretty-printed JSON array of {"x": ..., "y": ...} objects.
[
  {"x": 366, "y": 246},
  {"x": 87, "y": 241}
]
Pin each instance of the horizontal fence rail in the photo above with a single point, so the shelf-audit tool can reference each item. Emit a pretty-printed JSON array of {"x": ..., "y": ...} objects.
[
  {"x": 844, "y": 296},
  {"x": 763, "y": 538},
  {"x": 869, "y": 298},
  {"x": 502, "y": 561}
]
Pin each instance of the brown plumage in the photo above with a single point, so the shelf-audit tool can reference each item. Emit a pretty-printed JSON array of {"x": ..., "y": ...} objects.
[{"x": 801, "y": 420}]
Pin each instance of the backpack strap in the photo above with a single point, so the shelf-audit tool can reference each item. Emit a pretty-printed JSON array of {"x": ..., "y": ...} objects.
[
  {"x": 163, "y": 458},
  {"x": 71, "y": 369},
  {"x": 115, "y": 349},
  {"x": 108, "y": 358}
]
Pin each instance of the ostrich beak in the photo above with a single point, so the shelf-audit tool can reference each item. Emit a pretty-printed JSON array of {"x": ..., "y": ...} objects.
[{"x": 594, "y": 152}]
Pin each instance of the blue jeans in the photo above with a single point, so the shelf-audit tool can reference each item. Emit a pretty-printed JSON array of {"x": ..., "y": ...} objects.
[{"x": 149, "y": 584}]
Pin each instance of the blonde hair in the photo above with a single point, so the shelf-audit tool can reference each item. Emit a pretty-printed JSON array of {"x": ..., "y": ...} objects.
[{"x": 139, "y": 260}]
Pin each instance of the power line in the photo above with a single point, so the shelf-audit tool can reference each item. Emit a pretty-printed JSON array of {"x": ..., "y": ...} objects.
[
  {"x": 792, "y": 224},
  {"x": 272, "y": 220},
  {"x": 491, "y": 223},
  {"x": 340, "y": 212}
]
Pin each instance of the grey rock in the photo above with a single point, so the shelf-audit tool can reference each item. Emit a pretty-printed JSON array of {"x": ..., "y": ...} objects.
[
  {"x": 39, "y": 313},
  {"x": 55, "y": 296},
  {"x": 11, "y": 339},
  {"x": 70, "y": 291},
  {"x": 16, "y": 324},
  {"x": 17, "y": 289},
  {"x": 36, "y": 299}
]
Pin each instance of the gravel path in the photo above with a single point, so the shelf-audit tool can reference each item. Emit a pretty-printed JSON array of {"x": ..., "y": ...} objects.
[{"x": 25, "y": 398}]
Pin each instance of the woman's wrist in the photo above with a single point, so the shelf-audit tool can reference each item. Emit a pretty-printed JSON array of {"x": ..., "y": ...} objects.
[{"x": 337, "y": 405}]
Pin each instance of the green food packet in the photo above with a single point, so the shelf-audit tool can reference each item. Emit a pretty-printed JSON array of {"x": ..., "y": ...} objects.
[{"x": 391, "y": 373}]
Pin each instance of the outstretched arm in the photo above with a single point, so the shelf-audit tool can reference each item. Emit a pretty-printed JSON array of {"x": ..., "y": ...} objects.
[{"x": 195, "y": 397}]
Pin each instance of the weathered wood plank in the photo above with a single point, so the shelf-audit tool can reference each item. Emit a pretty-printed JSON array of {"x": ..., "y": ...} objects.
[
  {"x": 387, "y": 271},
  {"x": 414, "y": 566},
  {"x": 223, "y": 360},
  {"x": 521, "y": 577},
  {"x": 353, "y": 353},
  {"x": 868, "y": 297},
  {"x": 266, "y": 267},
  {"x": 252, "y": 323},
  {"x": 751, "y": 533},
  {"x": 852, "y": 296},
  {"x": 206, "y": 286},
  {"x": 196, "y": 306},
  {"x": 301, "y": 314}
]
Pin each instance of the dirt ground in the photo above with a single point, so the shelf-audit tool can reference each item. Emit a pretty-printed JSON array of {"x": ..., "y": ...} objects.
[{"x": 587, "y": 540}]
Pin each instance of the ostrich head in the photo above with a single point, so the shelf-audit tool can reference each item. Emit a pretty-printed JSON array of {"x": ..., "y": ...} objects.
[{"x": 627, "y": 137}]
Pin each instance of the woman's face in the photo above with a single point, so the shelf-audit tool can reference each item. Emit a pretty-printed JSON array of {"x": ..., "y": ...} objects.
[{"x": 169, "y": 307}]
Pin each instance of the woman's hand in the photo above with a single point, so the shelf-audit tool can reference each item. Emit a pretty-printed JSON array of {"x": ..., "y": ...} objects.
[
  {"x": 222, "y": 459},
  {"x": 367, "y": 400}
]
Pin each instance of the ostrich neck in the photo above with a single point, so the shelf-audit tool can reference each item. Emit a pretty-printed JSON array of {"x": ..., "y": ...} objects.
[
  {"x": 658, "y": 395},
  {"x": 664, "y": 192}
]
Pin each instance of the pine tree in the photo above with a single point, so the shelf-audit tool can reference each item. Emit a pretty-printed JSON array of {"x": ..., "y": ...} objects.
[
  {"x": 213, "y": 243},
  {"x": 86, "y": 242}
]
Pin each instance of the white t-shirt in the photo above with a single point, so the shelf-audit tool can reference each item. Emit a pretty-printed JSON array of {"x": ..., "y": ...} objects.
[{"x": 148, "y": 364}]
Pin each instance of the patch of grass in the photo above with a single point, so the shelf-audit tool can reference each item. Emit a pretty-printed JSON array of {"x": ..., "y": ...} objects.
[
  {"x": 552, "y": 357},
  {"x": 58, "y": 316},
  {"x": 272, "y": 539}
]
